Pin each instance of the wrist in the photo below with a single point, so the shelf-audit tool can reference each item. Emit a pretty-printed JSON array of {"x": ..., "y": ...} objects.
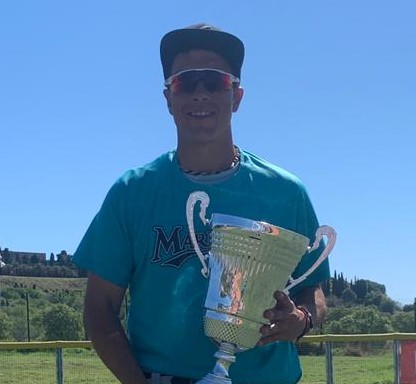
[{"x": 307, "y": 319}]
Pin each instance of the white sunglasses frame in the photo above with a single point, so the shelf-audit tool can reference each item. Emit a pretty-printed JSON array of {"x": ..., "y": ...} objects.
[{"x": 169, "y": 80}]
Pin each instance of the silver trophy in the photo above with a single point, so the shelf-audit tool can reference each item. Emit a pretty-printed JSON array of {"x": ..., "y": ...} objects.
[{"x": 248, "y": 261}]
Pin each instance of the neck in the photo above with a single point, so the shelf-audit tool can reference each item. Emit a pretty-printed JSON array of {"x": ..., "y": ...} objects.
[{"x": 207, "y": 159}]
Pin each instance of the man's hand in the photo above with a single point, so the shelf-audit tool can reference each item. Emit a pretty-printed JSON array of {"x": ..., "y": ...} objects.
[{"x": 287, "y": 322}]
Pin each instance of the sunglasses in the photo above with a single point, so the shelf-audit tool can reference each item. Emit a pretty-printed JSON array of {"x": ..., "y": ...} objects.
[{"x": 213, "y": 80}]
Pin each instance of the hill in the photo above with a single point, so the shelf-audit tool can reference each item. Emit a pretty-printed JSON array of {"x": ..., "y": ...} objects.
[
  {"x": 46, "y": 284},
  {"x": 358, "y": 306}
]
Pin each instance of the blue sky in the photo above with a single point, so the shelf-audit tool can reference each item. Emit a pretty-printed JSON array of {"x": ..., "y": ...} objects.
[{"x": 330, "y": 95}]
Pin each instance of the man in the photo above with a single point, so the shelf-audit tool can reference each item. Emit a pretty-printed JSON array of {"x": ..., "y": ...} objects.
[{"x": 139, "y": 239}]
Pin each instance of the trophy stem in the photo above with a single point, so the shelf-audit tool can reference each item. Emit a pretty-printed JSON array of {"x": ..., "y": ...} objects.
[{"x": 225, "y": 357}]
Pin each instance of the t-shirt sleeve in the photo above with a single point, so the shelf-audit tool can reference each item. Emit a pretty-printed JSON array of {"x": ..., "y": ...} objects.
[
  {"x": 106, "y": 248},
  {"x": 308, "y": 225}
]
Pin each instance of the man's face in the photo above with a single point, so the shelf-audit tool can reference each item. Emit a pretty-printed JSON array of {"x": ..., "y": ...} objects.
[{"x": 202, "y": 114}]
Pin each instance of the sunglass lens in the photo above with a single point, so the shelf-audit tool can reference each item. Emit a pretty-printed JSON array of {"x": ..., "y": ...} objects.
[
  {"x": 212, "y": 81},
  {"x": 216, "y": 81}
]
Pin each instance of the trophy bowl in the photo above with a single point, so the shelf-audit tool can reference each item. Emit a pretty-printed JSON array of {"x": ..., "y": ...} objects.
[{"x": 248, "y": 261}]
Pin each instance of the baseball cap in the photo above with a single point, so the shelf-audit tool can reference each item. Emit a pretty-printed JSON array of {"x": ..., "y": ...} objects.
[{"x": 201, "y": 36}]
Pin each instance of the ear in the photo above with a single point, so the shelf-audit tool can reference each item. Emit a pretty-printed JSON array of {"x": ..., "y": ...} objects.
[
  {"x": 167, "y": 95},
  {"x": 237, "y": 97}
]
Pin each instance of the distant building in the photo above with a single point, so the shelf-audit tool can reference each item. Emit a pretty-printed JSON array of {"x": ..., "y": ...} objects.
[
  {"x": 7, "y": 256},
  {"x": 14, "y": 263}
]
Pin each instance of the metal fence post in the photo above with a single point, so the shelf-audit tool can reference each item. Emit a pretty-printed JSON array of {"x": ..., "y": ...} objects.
[
  {"x": 396, "y": 358},
  {"x": 59, "y": 367},
  {"x": 329, "y": 366}
]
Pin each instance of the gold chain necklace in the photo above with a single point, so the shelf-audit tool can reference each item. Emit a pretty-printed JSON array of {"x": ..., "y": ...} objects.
[{"x": 234, "y": 162}]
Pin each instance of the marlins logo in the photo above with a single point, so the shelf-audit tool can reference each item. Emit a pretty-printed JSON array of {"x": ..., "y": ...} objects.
[{"x": 175, "y": 248}]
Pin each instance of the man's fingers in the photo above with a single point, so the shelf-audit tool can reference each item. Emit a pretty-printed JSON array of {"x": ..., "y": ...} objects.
[
  {"x": 269, "y": 314},
  {"x": 271, "y": 333},
  {"x": 283, "y": 304},
  {"x": 282, "y": 299},
  {"x": 265, "y": 340}
]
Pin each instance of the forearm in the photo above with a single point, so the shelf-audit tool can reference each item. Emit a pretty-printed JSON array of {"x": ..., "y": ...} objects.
[
  {"x": 102, "y": 324},
  {"x": 114, "y": 350},
  {"x": 313, "y": 299}
]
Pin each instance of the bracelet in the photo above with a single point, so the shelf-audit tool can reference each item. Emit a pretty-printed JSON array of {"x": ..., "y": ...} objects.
[{"x": 309, "y": 321}]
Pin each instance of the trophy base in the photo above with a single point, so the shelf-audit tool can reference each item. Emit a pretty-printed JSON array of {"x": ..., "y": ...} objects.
[
  {"x": 214, "y": 379},
  {"x": 236, "y": 330},
  {"x": 225, "y": 357}
]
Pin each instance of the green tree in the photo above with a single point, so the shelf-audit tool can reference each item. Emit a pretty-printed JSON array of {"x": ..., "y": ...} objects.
[
  {"x": 61, "y": 322},
  {"x": 10, "y": 294},
  {"x": 408, "y": 307},
  {"x": 361, "y": 288},
  {"x": 70, "y": 298},
  {"x": 373, "y": 286},
  {"x": 17, "y": 312},
  {"x": 7, "y": 257},
  {"x": 337, "y": 313},
  {"x": 5, "y": 326},
  {"x": 349, "y": 296},
  {"x": 358, "y": 320},
  {"x": 373, "y": 298},
  {"x": 403, "y": 322},
  {"x": 387, "y": 305}
]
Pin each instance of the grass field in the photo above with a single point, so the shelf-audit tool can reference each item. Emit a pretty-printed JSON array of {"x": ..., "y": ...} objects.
[
  {"x": 82, "y": 366},
  {"x": 349, "y": 369},
  {"x": 44, "y": 283},
  {"x": 79, "y": 366}
]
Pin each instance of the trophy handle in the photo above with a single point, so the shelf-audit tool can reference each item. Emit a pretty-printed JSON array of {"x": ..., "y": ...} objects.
[
  {"x": 193, "y": 198},
  {"x": 324, "y": 230}
]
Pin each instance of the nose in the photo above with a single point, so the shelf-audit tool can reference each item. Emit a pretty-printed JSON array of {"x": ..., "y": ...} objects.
[{"x": 200, "y": 92}]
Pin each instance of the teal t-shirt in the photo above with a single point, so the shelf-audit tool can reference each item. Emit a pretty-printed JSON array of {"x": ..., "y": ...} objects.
[{"x": 139, "y": 239}]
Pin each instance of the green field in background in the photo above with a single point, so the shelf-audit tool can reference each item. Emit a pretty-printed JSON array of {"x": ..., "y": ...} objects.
[
  {"x": 79, "y": 366},
  {"x": 83, "y": 366},
  {"x": 349, "y": 369}
]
